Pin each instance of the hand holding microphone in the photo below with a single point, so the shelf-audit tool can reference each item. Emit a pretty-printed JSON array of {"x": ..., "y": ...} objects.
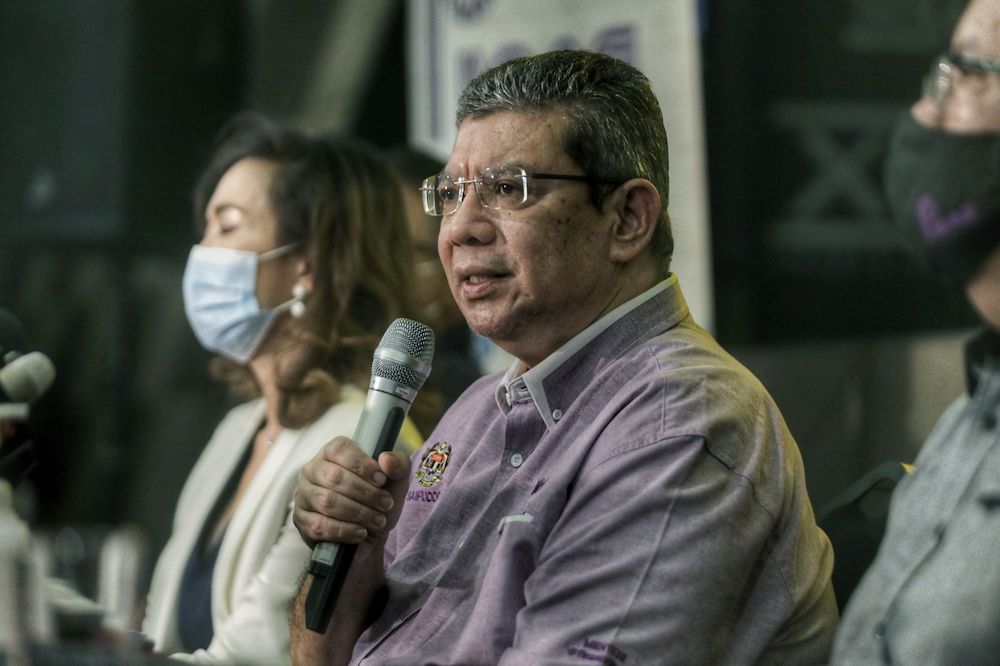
[
  {"x": 341, "y": 496},
  {"x": 23, "y": 379}
]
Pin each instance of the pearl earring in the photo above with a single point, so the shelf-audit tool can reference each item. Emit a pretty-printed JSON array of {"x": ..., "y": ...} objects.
[{"x": 298, "y": 294}]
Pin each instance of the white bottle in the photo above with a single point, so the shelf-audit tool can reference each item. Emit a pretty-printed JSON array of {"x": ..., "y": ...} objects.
[
  {"x": 123, "y": 555},
  {"x": 15, "y": 540}
]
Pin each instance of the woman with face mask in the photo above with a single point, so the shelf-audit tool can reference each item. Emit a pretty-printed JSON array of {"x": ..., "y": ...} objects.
[
  {"x": 303, "y": 262},
  {"x": 932, "y": 595}
]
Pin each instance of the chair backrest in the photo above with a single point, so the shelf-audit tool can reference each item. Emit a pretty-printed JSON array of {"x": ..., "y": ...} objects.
[{"x": 855, "y": 522}]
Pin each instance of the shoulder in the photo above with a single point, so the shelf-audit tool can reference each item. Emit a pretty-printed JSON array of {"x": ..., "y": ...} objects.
[
  {"x": 681, "y": 391},
  {"x": 942, "y": 435},
  {"x": 686, "y": 384},
  {"x": 687, "y": 351}
]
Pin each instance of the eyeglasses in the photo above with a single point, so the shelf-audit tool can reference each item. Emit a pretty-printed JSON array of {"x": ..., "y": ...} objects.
[
  {"x": 940, "y": 80},
  {"x": 503, "y": 188}
]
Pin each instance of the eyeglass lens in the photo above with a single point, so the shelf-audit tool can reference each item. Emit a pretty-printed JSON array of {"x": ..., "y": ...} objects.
[
  {"x": 940, "y": 80},
  {"x": 500, "y": 189},
  {"x": 937, "y": 83}
]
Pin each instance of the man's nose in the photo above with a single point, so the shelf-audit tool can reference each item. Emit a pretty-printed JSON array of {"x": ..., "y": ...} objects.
[
  {"x": 471, "y": 224},
  {"x": 925, "y": 112}
]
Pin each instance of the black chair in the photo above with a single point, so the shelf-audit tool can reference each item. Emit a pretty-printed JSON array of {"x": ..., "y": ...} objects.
[{"x": 855, "y": 522}]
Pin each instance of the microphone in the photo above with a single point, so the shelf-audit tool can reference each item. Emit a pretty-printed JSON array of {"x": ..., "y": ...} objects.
[
  {"x": 26, "y": 378},
  {"x": 23, "y": 379},
  {"x": 401, "y": 364}
]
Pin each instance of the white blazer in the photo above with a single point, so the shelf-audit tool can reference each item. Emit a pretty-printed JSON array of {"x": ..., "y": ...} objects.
[{"x": 262, "y": 557}]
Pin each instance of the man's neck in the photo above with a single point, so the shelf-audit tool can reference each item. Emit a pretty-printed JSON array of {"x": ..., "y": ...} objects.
[{"x": 530, "y": 357}]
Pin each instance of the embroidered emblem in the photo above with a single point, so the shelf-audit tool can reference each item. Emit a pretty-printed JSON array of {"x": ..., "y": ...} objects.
[
  {"x": 594, "y": 650},
  {"x": 432, "y": 465}
]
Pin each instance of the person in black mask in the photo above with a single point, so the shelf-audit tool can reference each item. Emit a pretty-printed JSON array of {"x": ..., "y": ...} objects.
[{"x": 932, "y": 595}]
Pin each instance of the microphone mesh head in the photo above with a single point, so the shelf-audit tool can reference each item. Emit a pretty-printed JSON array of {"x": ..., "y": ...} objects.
[{"x": 413, "y": 339}]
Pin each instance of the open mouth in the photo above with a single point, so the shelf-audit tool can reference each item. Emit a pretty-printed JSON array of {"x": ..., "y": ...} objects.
[{"x": 479, "y": 282}]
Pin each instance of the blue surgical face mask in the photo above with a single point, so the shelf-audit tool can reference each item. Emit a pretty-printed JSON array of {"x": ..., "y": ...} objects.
[{"x": 220, "y": 299}]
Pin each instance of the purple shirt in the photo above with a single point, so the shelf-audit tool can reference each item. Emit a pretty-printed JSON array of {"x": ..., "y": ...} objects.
[{"x": 661, "y": 518}]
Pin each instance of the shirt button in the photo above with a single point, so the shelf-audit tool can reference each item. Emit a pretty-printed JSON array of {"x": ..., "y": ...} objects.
[
  {"x": 989, "y": 421},
  {"x": 880, "y": 630},
  {"x": 556, "y": 414},
  {"x": 516, "y": 460}
]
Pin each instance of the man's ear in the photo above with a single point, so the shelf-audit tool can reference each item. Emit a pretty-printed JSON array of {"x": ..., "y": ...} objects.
[{"x": 636, "y": 207}]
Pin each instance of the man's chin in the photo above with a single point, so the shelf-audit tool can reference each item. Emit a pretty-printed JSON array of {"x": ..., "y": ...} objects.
[
  {"x": 491, "y": 330},
  {"x": 497, "y": 329},
  {"x": 504, "y": 324}
]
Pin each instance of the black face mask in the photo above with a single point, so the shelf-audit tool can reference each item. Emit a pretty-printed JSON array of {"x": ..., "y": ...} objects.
[{"x": 944, "y": 191}]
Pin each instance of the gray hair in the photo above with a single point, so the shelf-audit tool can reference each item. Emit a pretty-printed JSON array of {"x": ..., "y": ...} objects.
[{"x": 615, "y": 127}]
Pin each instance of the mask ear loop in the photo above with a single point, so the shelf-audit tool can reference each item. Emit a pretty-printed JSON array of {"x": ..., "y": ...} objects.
[
  {"x": 296, "y": 306},
  {"x": 277, "y": 252}
]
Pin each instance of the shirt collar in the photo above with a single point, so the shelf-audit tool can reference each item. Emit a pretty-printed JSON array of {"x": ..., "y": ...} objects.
[
  {"x": 982, "y": 355},
  {"x": 518, "y": 385}
]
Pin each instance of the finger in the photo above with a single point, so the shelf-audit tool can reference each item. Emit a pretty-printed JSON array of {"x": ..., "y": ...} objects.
[
  {"x": 343, "y": 467},
  {"x": 344, "y": 508},
  {"x": 342, "y": 481},
  {"x": 314, "y": 527},
  {"x": 321, "y": 514},
  {"x": 346, "y": 453},
  {"x": 394, "y": 464}
]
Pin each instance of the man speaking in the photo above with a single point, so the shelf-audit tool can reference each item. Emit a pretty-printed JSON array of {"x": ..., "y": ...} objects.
[{"x": 627, "y": 493}]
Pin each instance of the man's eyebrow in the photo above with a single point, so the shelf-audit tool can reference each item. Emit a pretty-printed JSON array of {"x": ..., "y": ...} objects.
[
  {"x": 494, "y": 167},
  {"x": 973, "y": 45},
  {"x": 966, "y": 45}
]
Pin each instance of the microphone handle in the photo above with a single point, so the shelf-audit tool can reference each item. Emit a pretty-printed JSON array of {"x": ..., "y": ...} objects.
[
  {"x": 377, "y": 431},
  {"x": 17, "y": 461}
]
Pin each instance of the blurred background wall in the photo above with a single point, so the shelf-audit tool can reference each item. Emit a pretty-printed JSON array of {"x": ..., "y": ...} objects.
[{"x": 108, "y": 107}]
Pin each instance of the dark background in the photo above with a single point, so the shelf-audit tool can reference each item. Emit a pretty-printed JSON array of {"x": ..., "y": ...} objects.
[
  {"x": 108, "y": 107},
  {"x": 799, "y": 99}
]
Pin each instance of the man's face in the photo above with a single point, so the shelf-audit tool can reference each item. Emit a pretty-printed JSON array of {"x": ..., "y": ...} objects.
[
  {"x": 973, "y": 104},
  {"x": 529, "y": 279}
]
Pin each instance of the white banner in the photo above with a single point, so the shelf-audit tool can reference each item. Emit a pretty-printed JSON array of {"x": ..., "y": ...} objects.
[{"x": 451, "y": 41}]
